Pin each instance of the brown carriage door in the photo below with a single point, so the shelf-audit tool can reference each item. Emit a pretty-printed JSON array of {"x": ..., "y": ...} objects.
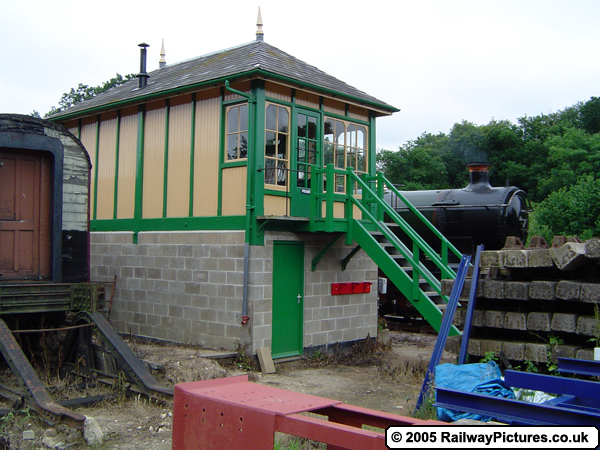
[{"x": 25, "y": 215}]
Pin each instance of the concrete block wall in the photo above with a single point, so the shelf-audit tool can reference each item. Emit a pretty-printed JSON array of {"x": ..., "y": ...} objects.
[
  {"x": 327, "y": 319},
  {"x": 188, "y": 287},
  {"x": 177, "y": 286}
]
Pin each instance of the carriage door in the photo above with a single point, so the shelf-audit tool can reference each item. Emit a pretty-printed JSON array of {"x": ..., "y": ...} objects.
[
  {"x": 306, "y": 154},
  {"x": 25, "y": 215}
]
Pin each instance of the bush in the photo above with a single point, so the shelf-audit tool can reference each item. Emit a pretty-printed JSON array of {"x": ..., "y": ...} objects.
[{"x": 572, "y": 211}]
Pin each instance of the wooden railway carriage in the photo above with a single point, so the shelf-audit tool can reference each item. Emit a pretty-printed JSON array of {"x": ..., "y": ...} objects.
[{"x": 204, "y": 201}]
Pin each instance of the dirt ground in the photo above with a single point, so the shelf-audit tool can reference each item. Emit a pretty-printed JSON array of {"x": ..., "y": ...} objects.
[{"x": 390, "y": 381}]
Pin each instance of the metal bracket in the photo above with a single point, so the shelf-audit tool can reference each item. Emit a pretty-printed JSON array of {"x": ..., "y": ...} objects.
[
  {"x": 347, "y": 259},
  {"x": 317, "y": 258}
]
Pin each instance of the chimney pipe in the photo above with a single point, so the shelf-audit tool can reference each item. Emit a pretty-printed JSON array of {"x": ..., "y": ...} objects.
[
  {"x": 143, "y": 75},
  {"x": 479, "y": 176}
]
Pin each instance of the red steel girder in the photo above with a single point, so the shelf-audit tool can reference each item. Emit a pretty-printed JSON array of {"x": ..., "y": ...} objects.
[{"x": 236, "y": 414}]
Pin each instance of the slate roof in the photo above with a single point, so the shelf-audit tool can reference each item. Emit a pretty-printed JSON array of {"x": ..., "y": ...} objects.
[{"x": 254, "y": 58}]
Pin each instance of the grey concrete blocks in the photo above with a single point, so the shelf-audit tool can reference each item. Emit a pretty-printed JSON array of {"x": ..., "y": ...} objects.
[
  {"x": 564, "y": 322},
  {"x": 590, "y": 293},
  {"x": 568, "y": 290},
  {"x": 543, "y": 290},
  {"x": 539, "y": 321},
  {"x": 516, "y": 290},
  {"x": 515, "y": 321},
  {"x": 536, "y": 352}
]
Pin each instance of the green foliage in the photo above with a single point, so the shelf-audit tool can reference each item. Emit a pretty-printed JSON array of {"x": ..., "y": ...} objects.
[
  {"x": 570, "y": 211},
  {"x": 553, "y": 157},
  {"x": 489, "y": 356},
  {"x": 84, "y": 92}
]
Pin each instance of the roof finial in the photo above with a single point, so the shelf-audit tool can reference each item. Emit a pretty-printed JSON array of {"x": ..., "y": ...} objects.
[
  {"x": 162, "y": 62},
  {"x": 259, "y": 31}
]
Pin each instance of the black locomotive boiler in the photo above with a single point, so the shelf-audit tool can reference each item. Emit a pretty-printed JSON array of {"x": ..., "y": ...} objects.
[{"x": 476, "y": 214}]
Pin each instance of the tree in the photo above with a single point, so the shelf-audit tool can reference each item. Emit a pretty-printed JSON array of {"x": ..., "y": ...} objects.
[
  {"x": 85, "y": 92},
  {"x": 570, "y": 211}
]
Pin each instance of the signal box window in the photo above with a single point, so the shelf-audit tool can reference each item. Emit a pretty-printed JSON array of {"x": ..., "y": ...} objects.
[
  {"x": 237, "y": 132},
  {"x": 277, "y": 160}
]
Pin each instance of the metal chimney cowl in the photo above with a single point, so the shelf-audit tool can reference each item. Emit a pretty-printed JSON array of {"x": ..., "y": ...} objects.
[{"x": 143, "y": 75}]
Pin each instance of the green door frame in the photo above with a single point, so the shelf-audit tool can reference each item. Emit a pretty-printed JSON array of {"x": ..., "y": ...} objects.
[
  {"x": 306, "y": 142},
  {"x": 287, "y": 337}
]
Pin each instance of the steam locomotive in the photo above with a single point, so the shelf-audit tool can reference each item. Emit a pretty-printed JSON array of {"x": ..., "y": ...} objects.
[{"x": 477, "y": 214}]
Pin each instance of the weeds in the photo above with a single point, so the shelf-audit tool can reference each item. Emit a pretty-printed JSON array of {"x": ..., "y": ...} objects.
[
  {"x": 367, "y": 352},
  {"x": 242, "y": 360}
]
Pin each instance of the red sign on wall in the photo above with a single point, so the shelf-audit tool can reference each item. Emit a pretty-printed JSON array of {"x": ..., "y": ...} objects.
[{"x": 363, "y": 287}]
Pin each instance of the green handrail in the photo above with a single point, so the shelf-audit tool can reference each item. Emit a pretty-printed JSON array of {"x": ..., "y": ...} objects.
[{"x": 368, "y": 197}]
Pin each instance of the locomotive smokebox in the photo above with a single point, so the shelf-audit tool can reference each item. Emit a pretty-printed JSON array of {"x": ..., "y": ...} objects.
[{"x": 477, "y": 214}]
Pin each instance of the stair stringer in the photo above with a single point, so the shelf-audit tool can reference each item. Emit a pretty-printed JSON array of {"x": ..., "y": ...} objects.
[{"x": 404, "y": 282}]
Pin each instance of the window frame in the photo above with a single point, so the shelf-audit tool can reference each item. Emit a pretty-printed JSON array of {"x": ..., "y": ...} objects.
[
  {"x": 347, "y": 149},
  {"x": 238, "y": 132},
  {"x": 287, "y": 160}
]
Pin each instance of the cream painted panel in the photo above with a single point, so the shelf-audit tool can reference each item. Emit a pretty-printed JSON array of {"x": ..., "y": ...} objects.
[
  {"x": 127, "y": 166},
  {"x": 178, "y": 180},
  {"x": 338, "y": 210},
  {"x": 206, "y": 154},
  {"x": 107, "y": 148},
  {"x": 234, "y": 191},
  {"x": 275, "y": 205},
  {"x": 154, "y": 163}
]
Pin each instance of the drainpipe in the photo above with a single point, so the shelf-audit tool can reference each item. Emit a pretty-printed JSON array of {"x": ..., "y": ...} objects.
[{"x": 249, "y": 207}]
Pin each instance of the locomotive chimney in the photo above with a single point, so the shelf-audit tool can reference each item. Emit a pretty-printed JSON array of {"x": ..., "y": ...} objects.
[
  {"x": 143, "y": 75},
  {"x": 479, "y": 177}
]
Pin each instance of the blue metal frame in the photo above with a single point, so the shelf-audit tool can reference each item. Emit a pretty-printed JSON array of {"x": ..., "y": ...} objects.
[
  {"x": 515, "y": 412},
  {"x": 579, "y": 366},
  {"x": 440, "y": 343},
  {"x": 464, "y": 345}
]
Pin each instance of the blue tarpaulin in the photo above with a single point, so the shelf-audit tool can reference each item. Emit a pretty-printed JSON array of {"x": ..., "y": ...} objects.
[{"x": 482, "y": 378}]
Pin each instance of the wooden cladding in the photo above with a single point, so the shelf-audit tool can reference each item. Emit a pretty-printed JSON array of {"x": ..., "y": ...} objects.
[{"x": 176, "y": 146}]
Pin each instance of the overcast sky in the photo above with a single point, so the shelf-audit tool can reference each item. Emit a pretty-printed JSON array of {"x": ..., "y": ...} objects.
[{"x": 439, "y": 62}]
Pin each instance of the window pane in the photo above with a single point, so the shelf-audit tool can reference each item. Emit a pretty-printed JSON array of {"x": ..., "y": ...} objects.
[
  {"x": 232, "y": 119},
  {"x": 284, "y": 119},
  {"x": 282, "y": 146},
  {"x": 340, "y": 132},
  {"x": 281, "y": 173},
  {"x": 351, "y": 137},
  {"x": 361, "y": 162},
  {"x": 328, "y": 133},
  {"x": 232, "y": 144},
  {"x": 270, "y": 144},
  {"x": 327, "y": 154},
  {"x": 269, "y": 171},
  {"x": 312, "y": 128},
  {"x": 243, "y": 145},
  {"x": 312, "y": 149},
  {"x": 351, "y": 158},
  {"x": 271, "y": 117},
  {"x": 243, "y": 118},
  {"x": 362, "y": 137},
  {"x": 301, "y": 150},
  {"x": 340, "y": 157},
  {"x": 301, "y": 125}
]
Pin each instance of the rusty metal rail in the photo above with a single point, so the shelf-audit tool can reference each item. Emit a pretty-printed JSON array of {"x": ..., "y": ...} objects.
[{"x": 36, "y": 394}]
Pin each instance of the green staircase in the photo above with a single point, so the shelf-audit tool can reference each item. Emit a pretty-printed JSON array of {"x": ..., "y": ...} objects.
[{"x": 409, "y": 262}]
